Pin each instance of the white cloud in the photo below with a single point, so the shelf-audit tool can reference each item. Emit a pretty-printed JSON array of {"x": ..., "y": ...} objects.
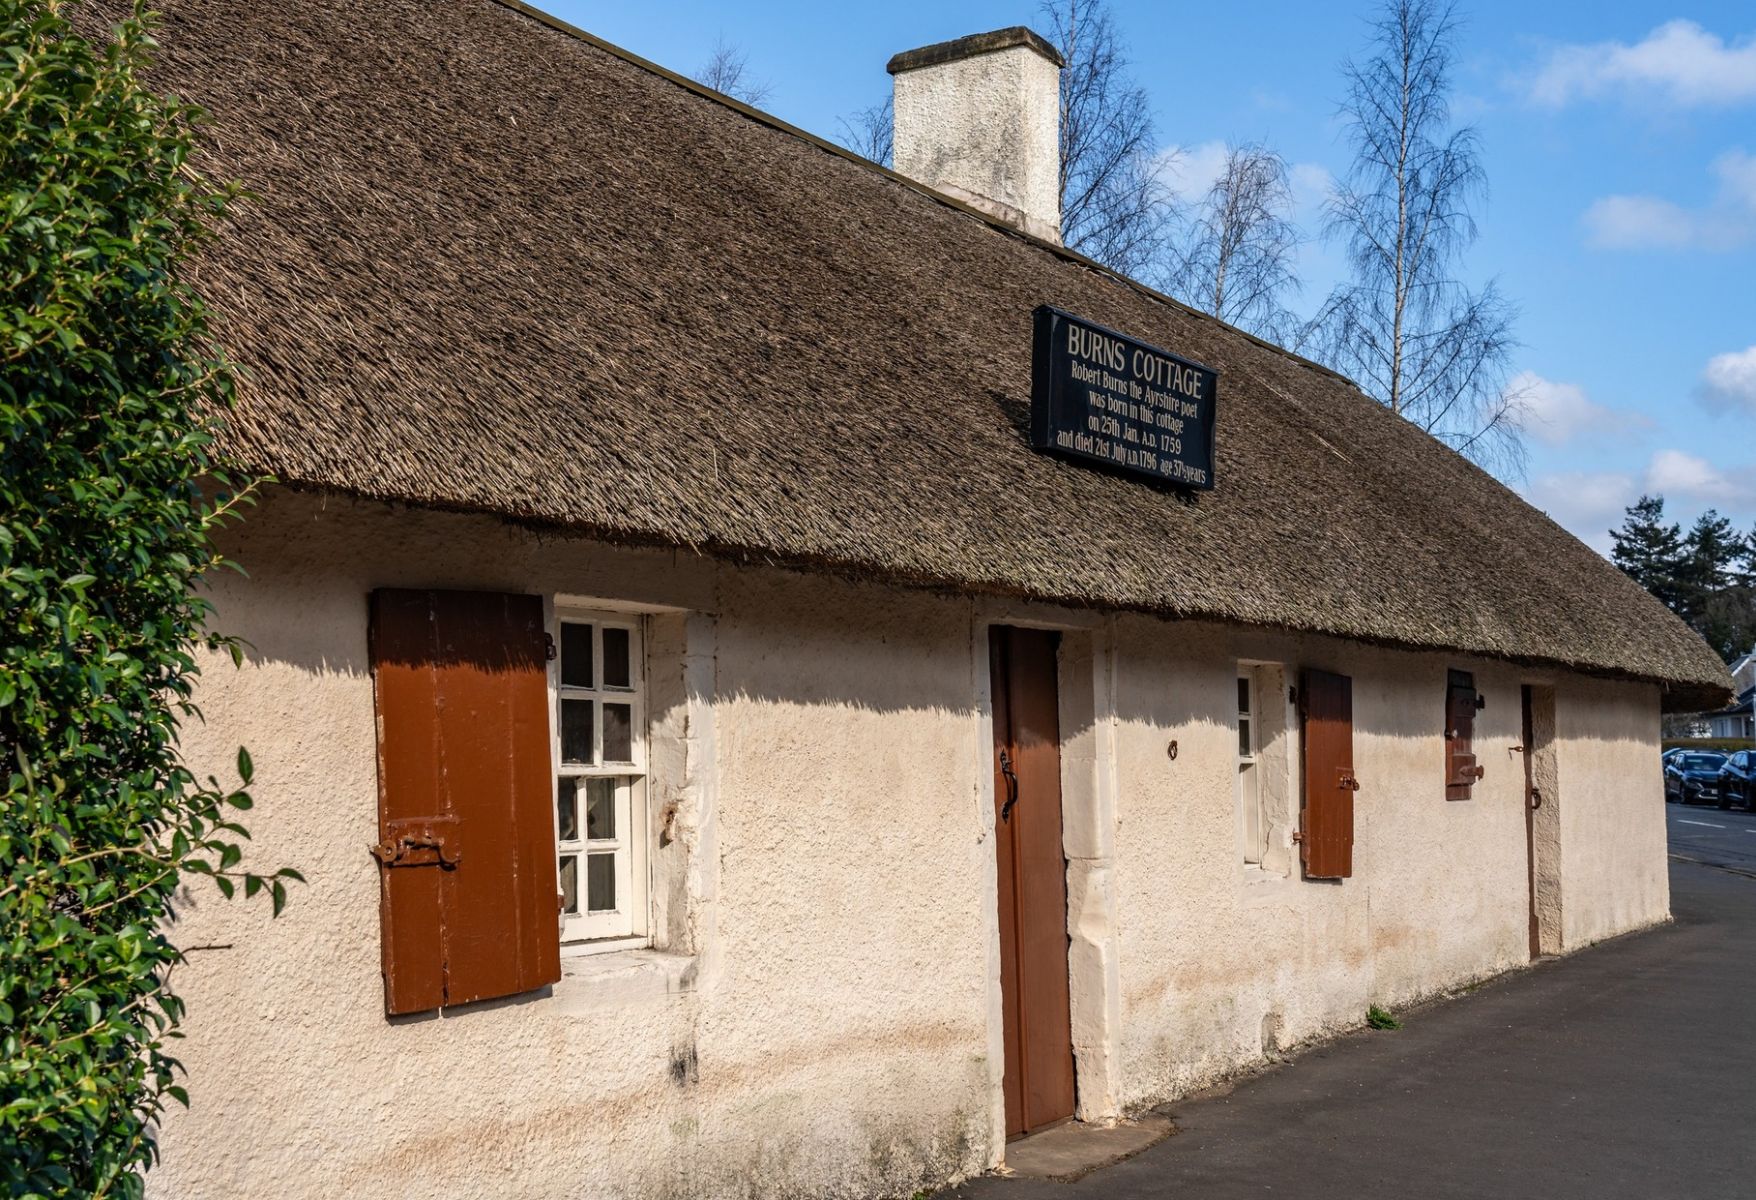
[
  {"x": 1679, "y": 61},
  {"x": 1650, "y": 222},
  {"x": 1587, "y": 504},
  {"x": 1191, "y": 171},
  {"x": 1730, "y": 379},
  {"x": 1558, "y": 413},
  {"x": 1312, "y": 184},
  {"x": 1679, "y": 473}
]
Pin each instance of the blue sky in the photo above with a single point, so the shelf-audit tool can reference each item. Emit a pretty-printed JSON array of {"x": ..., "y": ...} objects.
[{"x": 1619, "y": 141}]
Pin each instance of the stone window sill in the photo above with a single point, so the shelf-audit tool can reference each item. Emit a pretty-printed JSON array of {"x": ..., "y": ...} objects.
[
  {"x": 1258, "y": 876},
  {"x": 620, "y": 977}
]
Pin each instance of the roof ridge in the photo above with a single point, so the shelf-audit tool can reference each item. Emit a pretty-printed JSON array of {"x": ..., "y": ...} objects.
[{"x": 914, "y": 185}]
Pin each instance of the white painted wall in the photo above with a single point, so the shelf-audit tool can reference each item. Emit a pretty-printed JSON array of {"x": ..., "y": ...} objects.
[{"x": 823, "y": 1021}]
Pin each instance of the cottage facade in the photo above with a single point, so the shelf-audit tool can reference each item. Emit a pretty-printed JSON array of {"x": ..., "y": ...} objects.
[{"x": 727, "y": 759}]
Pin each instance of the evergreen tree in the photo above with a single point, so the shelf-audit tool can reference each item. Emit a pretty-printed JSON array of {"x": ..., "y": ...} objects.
[
  {"x": 1744, "y": 567},
  {"x": 1651, "y": 551},
  {"x": 1728, "y": 621},
  {"x": 1710, "y": 557}
]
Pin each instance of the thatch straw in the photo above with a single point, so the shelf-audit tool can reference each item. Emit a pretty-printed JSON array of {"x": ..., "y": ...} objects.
[{"x": 501, "y": 268}]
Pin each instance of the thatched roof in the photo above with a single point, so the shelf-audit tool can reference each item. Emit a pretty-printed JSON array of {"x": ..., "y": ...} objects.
[{"x": 498, "y": 266}]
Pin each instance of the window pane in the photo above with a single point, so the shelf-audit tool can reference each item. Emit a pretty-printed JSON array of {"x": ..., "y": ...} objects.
[
  {"x": 567, "y": 810},
  {"x": 616, "y": 666},
  {"x": 1243, "y": 737},
  {"x": 618, "y": 733},
  {"x": 600, "y": 882},
  {"x": 600, "y": 808},
  {"x": 1243, "y": 694},
  {"x": 576, "y": 655},
  {"x": 569, "y": 883},
  {"x": 576, "y": 731}
]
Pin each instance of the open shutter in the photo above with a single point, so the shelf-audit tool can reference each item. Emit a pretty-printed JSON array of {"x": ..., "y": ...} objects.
[
  {"x": 466, "y": 849},
  {"x": 1461, "y": 702},
  {"x": 1326, "y": 833}
]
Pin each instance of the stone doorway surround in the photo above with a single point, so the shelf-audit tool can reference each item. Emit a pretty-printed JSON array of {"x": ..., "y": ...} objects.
[{"x": 1086, "y": 682}]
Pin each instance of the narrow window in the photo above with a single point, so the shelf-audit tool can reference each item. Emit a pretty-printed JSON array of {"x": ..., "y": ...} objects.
[
  {"x": 600, "y": 792},
  {"x": 1461, "y": 703},
  {"x": 1249, "y": 786}
]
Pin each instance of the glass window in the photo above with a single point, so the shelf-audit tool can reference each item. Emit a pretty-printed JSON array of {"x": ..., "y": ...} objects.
[
  {"x": 576, "y": 655},
  {"x": 600, "y": 805},
  {"x": 617, "y": 668},
  {"x": 1252, "y": 826}
]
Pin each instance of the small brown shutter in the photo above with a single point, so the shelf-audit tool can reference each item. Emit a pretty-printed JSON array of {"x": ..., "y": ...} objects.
[
  {"x": 466, "y": 835},
  {"x": 1461, "y": 770},
  {"x": 1326, "y": 835}
]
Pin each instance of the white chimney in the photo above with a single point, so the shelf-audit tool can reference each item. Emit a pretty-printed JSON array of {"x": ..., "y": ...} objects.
[{"x": 979, "y": 120}]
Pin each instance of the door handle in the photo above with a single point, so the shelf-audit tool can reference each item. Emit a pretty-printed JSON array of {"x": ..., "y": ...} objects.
[
  {"x": 1011, "y": 786},
  {"x": 1536, "y": 799}
]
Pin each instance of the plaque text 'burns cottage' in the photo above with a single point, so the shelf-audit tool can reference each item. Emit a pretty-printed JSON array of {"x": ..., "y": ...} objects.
[{"x": 1103, "y": 397}]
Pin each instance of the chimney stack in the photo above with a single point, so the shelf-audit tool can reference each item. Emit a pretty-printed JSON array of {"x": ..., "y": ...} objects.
[{"x": 979, "y": 120}]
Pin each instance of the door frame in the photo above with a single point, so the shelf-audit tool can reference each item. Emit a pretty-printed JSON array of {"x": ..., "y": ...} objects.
[
  {"x": 1085, "y": 687},
  {"x": 1542, "y": 825}
]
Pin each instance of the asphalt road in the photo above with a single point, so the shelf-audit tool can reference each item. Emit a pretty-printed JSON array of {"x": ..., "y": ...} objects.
[
  {"x": 1628, "y": 1070},
  {"x": 1724, "y": 838}
]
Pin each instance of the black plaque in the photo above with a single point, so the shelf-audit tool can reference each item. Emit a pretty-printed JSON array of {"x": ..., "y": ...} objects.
[{"x": 1101, "y": 397}]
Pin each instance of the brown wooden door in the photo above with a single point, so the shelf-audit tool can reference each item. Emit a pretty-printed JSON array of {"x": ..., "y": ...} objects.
[
  {"x": 1326, "y": 829},
  {"x": 1532, "y": 800},
  {"x": 1032, "y": 879}
]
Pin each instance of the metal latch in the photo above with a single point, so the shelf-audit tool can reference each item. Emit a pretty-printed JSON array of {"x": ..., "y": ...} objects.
[{"x": 421, "y": 842}]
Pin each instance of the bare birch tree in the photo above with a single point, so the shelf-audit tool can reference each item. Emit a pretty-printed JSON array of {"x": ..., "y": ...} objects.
[
  {"x": 1115, "y": 207},
  {"x": 1406, "y": 329},
  {"x": 728, "y": 71},
  {"x": 1237, "y": 257},
  {"x": 871, "y": 132}
]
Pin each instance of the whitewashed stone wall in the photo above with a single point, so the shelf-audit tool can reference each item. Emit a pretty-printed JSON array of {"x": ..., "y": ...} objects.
[{"x": 822, "y": 1019}]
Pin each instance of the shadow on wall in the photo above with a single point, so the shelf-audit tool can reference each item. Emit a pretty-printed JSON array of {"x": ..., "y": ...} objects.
[{"x": 796, "y": 638}]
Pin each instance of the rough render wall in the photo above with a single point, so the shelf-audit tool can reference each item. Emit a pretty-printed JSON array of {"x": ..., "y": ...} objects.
[
  {"x": 1614, "y": 874},
  {"x": 836, "y": 1035},
  {"x": 1230, "y": 964},
  {"x": 834, "y": 1044}
]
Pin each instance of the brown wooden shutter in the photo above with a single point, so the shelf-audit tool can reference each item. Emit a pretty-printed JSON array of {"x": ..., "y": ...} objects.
[
  {"x": 466, "y": 830},
  {"x": 1461, "y": 702},
  {"x": 1326, "y": 833}
]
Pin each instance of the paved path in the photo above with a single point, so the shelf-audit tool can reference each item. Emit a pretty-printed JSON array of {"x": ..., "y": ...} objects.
[{"x": 1625, "y": 1071}]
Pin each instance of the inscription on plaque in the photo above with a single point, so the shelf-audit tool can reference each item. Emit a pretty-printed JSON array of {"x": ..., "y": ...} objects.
[{"x": 1102, "y": 397}]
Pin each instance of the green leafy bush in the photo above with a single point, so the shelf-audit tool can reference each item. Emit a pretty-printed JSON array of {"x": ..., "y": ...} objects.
[{"x": 110, "y": 489}]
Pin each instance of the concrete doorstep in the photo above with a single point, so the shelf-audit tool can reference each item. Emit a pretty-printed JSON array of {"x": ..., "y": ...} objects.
[{"x": 1068, "y": 1151}]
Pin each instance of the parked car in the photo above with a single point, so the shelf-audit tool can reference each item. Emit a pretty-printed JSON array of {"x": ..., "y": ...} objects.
[
  {"x": 1693, "y": 777},
  {"x": 1737, "y": 780},
  {"x": 1666, "y": 757}
]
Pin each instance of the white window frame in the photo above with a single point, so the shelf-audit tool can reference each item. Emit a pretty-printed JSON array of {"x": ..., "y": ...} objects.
[
  {"x": 1252, "y": 820},
  {"x": 627, "y": 924}
]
